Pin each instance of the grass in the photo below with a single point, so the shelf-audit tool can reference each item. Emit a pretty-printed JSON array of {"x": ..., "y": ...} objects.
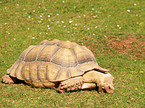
[{"x": 87, "y": 22}]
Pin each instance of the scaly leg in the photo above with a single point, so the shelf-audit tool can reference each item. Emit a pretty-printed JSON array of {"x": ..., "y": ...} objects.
[{"x": 71, "y": 84}]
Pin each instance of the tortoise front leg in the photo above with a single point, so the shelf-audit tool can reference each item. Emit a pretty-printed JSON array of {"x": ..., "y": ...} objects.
[{"x": 71, "y": 84}]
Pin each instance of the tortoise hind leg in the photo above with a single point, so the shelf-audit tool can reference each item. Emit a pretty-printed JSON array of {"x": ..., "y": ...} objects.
[
  {"x": 71, "y": 84},
  {"x": 8, "y": 79}
]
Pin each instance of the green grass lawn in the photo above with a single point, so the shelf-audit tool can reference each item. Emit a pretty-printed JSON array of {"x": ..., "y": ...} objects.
[{"x": 114, "y": 30}]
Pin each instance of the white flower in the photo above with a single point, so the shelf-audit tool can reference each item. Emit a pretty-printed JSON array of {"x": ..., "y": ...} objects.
[
  {"x": 117, "y": 25},
  {"x": 28, "y": 28},
  {"x": 57, "y": 14},
  {"x": 33, "y": 37},
  {"x": 84, "y": 15},
  {"x": 92, "y": 8},
  {"x": 57, "y": 21},
  {"x": 48, "y": 27},
  {"x": 76, "y": 24},
  {"x": 14, "y": 39},
  {"x": 29, "y": 16},
  {"x": 9, "y": 33},
  {"x": 48, "y": 15},
  {"x": 62, "y": 21},
  {"x": 93, "y": 34},
  {"x": 62, "y": 1},
  {"x": 105, "y": 36},
  {"x": 33, "y": 10},
  {"x": 128, "y": 10},
  {"x": 88, "y": 28},
  {"x": 84, "y": 26},
  {"x": 64, "y": 26},
  {"x": 134, "y": 4},
  {"x": 40, "y": 15},
  {"x": 70, "y": 21},
  {"x": 96, "y": 27},
  {"x": 46, "y": 33},
  {"x": 17, "y": 4},
  {"x": 5, "y": 23},
  {"x": 41, "y": 19},
  {"x": 95, "y": 16}
]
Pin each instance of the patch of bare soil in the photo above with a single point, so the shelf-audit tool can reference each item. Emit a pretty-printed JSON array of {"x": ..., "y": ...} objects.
[{"x": 132, "y": 45}]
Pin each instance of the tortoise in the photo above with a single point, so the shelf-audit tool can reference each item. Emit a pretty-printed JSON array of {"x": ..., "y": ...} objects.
[{"x": 62, "y": 65}]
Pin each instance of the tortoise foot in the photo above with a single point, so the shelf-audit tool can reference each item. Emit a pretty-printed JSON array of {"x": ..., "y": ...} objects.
[
  {"x": 72, "y": 84},
  {"x": 7, "y": 79}
]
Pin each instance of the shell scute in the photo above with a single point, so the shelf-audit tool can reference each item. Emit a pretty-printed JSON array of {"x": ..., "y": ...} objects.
[
  {"x": 62, "y": 75},
  {"x": 24, "y": 53},
  {"x": 33, "y": 53},
  {"x": 73, "y": 71},
  {"x": 26, "y": 71},
  {"x": 81, "y": 54},
  {"x": 12, "y": 70},
  {"x": 42, "y": 70},
  {"x": 47, "y": 53},
  {"x": 87, "y": 66},
  {"x": 64, "y": 57},
  {"x": 19, "y": 71},
  {"x": 52, "y": 71},
  {"x": 33, "y": 71}
]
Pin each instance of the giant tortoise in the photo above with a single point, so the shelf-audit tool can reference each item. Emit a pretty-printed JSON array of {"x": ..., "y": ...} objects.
[{"x": 63, "y": 65}]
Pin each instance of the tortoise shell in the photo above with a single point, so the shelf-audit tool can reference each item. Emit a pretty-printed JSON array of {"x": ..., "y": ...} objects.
[{"x": 53, "y": 61}]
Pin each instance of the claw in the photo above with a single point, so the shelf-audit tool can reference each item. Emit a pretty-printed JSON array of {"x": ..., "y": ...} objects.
[
  {"x": 68, "y": 89},
  {"x": 59, "y": 89}
]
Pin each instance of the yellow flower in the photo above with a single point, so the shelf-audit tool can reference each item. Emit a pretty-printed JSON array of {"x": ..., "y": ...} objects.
[
  {"x": 135, "y": 88},
  {"x": 141, "y": 23}
]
